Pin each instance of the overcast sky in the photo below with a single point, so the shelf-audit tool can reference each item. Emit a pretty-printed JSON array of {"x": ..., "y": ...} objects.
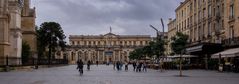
[{"x": 94, "y": 17}]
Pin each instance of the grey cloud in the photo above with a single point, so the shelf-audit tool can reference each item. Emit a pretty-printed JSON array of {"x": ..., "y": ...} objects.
[{"x": 95, "y": 16}]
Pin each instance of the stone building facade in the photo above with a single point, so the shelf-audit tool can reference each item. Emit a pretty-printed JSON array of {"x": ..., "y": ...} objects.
[
  {"x": 231, "y": 23},
  {"x": 212, "y": 25},
  {"x": 28, "y": 27},
  {"x": 16, "y": 18},
  {"x": 104, "y": 48},
  {"x": 171, "y": 33}
]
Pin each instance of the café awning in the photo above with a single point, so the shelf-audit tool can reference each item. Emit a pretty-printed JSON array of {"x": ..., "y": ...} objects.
[
  {"x": 204, "y": 48},
  {"x": 183, "y": 56},
  {"x": 234, "y": 52}
]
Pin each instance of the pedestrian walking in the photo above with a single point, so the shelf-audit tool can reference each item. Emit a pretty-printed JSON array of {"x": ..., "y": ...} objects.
[
  {"x": 121, "y": 65},
  {"x": 134, "y": 66},
  {"x": 80, "y": 66},
  {"x": 114, "y": 65},
  {"x": 145, "y": 67},
  {"x": 118, "y": 65},
  {"x": 97, "y": 62},
  {"x": 88, "y": 65},
  {"x": 139, "y": 65},
  {"x": 126, "y": 66}
]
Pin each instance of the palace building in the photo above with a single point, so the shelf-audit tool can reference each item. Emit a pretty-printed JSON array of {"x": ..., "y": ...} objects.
[{"x": 104, "y": 48}]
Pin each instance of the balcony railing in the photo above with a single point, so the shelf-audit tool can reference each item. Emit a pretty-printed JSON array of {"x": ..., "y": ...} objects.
[{"x": 231, "y": 42}]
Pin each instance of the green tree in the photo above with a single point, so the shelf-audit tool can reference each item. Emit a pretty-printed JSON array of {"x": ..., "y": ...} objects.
[
  {"x": 179, "y": 42},
  {"x": 178, "y": 46},
  {"x": 25, "y": 52},
  {"x": 50, "y": 35},
  {"x": 157, "y": 47},
  {"x": 136, "y": 54}
]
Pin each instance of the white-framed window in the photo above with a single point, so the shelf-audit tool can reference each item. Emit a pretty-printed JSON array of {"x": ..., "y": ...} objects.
[
  {"x": 231, "y": 10},
  {"x": 209, "y": 28},
  {"x": 209, "y": 10},
  {"x": 231, "y": 32}
]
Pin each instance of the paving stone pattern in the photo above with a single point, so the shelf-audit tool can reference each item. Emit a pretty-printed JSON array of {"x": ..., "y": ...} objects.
[{"x": 103, "y": 74}]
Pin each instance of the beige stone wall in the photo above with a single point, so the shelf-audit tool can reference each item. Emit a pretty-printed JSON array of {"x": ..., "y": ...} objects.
[
  {"x": 170, "y": 34},
  {"x": 94, "y": 47},
  {"x": 13, "y": 23},
  {"x": 28, "y": 26},
  {"x": 15, "y": 29},
  {"x": 198, "y": 19},
  {"x": 4, "y": 25},
  {"x": 231, "y": 23}
]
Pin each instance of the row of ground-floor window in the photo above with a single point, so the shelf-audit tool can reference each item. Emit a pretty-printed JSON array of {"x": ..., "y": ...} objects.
[
  {"x": 214, "y": 56},
  {"x": 199, "y": 62},
  {"x": 98, "y": 56}
]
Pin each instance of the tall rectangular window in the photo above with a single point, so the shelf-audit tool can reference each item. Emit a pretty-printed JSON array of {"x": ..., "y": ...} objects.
[
  {"x": 209, "y": 28},
  {"x": 195, "y": 34},
  {"x": 195, "y": 5},
  {"x": 231, "y": 10},
  {"x": 199, "y": 16},
  {"x": 209, "y": 10},
  {"x": 231, "y": 32}
]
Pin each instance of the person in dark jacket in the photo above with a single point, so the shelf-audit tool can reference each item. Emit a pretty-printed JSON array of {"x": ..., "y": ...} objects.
[
  {"x": 88, "y": 65},
  {"x": 134, "y": 65},
  {"x": 80, "y": 66}
]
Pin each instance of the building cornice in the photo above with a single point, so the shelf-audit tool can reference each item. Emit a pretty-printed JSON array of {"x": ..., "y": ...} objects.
[{"x": 181, "y": 5}]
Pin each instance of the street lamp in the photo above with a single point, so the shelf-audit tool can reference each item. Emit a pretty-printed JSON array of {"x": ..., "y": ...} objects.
[
  {"x": 157, "y": 38},
  {"x": 162, "y": 37},
  {"x": 157, "y": 31}
]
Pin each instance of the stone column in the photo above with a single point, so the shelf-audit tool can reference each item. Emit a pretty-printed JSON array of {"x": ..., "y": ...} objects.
[
  {"x": 103, "y": 56},
  {"x": 98, "y": 56},
  {"x": 107, "y": 58},
  {"x": 4, "y": 29},
  {"x": 114, "y": 52},
  {"x": 89, "y": 57},
  {"x": 15, "y": 29},
  {"x": 127, "y": 57},
  {"x": 120, "y": 53},
  {"x": 123, "y": 58}
]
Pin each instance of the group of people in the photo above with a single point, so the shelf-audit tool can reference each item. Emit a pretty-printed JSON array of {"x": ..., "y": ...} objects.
[
  {"x": 117, "y": 65},
  {"x": 138, "y": 65},
  {"x": 80, "y": 66}
]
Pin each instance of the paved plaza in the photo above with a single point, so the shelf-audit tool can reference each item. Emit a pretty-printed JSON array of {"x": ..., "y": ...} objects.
[{"x": 106, "y": 75}]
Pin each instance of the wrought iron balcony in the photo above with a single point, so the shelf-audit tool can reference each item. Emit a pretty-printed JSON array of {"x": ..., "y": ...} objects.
[{"x": 231, "y": 42}]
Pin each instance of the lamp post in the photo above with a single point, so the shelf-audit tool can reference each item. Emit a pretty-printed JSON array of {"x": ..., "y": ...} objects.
[
  {"x": 157, "y": 38},
  {"x": 157, "y": 31}
]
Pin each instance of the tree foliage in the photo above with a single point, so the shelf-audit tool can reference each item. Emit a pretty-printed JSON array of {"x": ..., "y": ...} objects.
[
  {"x": 50, "y": 35},
  {"x": 179, "y": 42},
  {"x": 154, "y": 48},
  {"x": 158, "y": 47}
]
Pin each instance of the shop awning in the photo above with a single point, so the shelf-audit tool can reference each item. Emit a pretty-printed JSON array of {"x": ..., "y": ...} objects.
[
  {"x": 204, "y": 48},
  {"x": 183, "y": 56},
  {"x": 227, "y": 53}
]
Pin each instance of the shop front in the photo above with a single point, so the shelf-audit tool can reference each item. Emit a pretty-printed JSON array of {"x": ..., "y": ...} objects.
[
  {"x": 229, "y": 59},
  {"x": 203, "y": 51}
]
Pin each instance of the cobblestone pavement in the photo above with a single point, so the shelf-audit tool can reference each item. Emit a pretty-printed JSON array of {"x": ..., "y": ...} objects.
[{"x": 106, "y": 75}]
